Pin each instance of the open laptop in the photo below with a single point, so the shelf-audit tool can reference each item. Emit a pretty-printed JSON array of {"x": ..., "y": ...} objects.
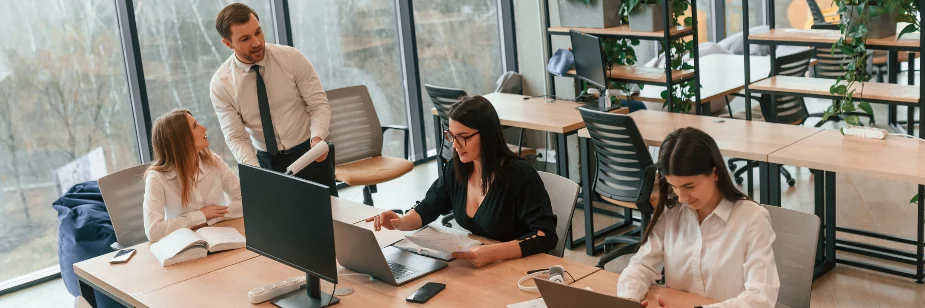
[
  {"x": 357, "y": 250},
  {"x": 563, "y": 296}
]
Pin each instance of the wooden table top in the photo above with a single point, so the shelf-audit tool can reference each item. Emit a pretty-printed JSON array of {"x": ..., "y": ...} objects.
[
  {"x": 606, "y": 282},
  {"x": 228, "y": 287},
  {"x": 908, "y": 95},
  {"x": 894, "y": 158},
  {"x": 621, "y": 31},
  {"x": 824, "y": 36},
  {"x": 720, "y": 75},
  {"x": 143, "y": 273},
  {"x": 494, "y": 285},
  {"x": 641, "y": 73},
  {"x": 559, "y": 116},
  {"x": 123, "y": 279},
  {"x": 753, "y": 140}
]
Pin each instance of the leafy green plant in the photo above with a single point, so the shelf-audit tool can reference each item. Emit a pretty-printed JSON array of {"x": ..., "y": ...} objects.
[{"x": 853, "y": 44}]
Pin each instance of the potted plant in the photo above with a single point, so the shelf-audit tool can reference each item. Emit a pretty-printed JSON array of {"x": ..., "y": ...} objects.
[
  {"x": 646, "y": 15},
  {"x": 880, "y": 16},
  {"x": 589, "y": 13}
]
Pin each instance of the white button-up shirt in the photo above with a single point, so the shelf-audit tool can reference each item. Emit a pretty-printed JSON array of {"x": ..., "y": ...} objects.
[
  {"x": 728, "y": 258},
  {"x": 163, "y": 206},
  {"x": 298, "y": 105}
]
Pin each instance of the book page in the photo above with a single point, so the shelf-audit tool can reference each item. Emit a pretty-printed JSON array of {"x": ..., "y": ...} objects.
[
  {"x": 408, "y": 246},
  {"x": 174, "y": 243},
  {"x": 221, "y": 238}
]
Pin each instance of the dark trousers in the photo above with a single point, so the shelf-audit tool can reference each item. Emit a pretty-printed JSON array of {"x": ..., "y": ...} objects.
[{"x": 318, "y": 172}]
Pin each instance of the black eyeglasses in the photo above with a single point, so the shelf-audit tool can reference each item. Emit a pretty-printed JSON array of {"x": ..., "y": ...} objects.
[{"x": 454, "y": 138}]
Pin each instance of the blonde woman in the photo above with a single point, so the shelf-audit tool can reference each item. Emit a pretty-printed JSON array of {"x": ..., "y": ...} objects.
[{"x": 186, "y": 184}]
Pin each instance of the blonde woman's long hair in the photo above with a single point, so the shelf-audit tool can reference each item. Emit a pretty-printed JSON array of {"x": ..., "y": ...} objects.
[{"x": 175, "y": 150}]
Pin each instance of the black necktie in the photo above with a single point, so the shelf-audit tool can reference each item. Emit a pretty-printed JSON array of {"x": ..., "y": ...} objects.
[{"x": 268, "y": 136}]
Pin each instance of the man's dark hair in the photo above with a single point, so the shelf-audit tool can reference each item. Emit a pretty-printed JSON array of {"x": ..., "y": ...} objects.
[{"x": 233, "y": 14}]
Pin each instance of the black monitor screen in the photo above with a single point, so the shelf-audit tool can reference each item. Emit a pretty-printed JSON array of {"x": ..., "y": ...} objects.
[
  {"x": 289, "y": 220},
  {"x": 589, "y": 58}
]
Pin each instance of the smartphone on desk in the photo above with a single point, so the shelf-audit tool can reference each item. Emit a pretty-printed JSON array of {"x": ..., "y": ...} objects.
[
  {"x": 424, "y": 294},
  {"x": 122, "y": 256}
]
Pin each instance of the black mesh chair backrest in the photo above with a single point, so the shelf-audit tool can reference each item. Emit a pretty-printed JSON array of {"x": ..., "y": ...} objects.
[
  {"x": 790, "y": 109},
  {"x": 443, "y": 99},
  {"x": 818, "y": 18},
  {"x": 622, "y": 157},
  {"x": 829, "y": 64}
]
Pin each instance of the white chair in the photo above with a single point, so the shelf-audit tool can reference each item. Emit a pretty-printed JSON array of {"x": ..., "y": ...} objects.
[
  {"x": 563, "y": 194},
  {"x": 123, "y": 192},
  {"x": 795, "y": 254}
]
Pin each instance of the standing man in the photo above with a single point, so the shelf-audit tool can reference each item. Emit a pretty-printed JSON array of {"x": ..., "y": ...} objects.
[{"x": 269, "y": 101}]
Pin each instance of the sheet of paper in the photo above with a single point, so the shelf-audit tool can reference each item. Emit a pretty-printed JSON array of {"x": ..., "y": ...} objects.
[
  {"x": 533, "y": 303},
  {"x": 435, "y": 239}
]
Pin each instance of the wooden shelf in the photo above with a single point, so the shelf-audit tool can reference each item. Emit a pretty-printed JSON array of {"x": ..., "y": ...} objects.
[
  {"x": 622, "y": 31},
  {"x": 823, "y": 37},
  {"x": 643, "y": 74},
  {"x": 817, "y": 87}
]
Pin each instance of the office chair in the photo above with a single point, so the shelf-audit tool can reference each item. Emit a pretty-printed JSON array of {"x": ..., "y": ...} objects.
[
  {"x": 795, "y": 253},
  {"x": 790, "y": 109},
  {"x": 356, "y": 131},
  {"x": 563, "y": 195},
  {"x": 124, "y": 194},
  {"x": 624, "y": 171}
]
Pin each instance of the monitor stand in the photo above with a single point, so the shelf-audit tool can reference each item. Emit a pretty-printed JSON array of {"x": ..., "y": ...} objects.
[
  {"x": 602, "y": 104},
  {"x": 311, "y": 297}
]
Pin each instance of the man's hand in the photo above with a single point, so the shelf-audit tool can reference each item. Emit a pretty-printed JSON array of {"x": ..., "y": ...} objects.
[{"x": 316, "y": 140}]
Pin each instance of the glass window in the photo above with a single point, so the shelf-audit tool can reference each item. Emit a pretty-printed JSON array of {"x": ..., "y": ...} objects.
[
  {"x": 787, "y": 13},
  {"x": 356, "y": 43},
  {"x": 65, "y": 118},
  {"x": 459, "y": 46},
  {"x": 181, "y": 51}
]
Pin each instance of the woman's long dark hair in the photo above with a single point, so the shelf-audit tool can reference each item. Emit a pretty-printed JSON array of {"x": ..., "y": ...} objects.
[
  {"x": 477, "y": 113},
  {"x": 689, "y": 152}
]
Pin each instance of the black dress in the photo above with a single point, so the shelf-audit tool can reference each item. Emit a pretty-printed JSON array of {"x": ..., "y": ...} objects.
[{"x": 516, "y": 207}]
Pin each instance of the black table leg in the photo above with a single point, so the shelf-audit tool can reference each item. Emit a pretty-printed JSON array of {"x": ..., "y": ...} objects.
[{"x": 562, "y": 155}]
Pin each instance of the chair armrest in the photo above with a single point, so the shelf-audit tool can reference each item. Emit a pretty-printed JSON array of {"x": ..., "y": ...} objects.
[
  {"x": 403, "y": 129},
  {"x": 613, "y": 255}
]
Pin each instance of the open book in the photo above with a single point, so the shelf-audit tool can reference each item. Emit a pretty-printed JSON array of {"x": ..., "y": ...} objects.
[{"x": 185, "y": 245}]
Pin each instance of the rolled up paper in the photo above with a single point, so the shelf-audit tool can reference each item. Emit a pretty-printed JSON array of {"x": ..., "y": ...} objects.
[{"x": 308, "y": 158}]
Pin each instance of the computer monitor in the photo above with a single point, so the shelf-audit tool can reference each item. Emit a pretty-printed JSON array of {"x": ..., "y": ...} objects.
[
  {"x": 589, "y": 59},
  {"x": 289, "y": 220}
]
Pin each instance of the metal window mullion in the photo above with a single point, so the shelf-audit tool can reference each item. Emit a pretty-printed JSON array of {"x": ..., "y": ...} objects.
[{"x": 135, "y": 74}]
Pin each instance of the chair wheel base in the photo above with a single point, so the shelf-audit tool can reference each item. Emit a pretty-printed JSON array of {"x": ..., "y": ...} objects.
[
  {"x": 739, "y": 180},
  {"x": 791, "y": 182}
]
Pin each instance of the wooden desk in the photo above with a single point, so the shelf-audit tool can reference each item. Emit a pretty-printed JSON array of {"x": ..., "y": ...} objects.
[
  {"x": 825, "y": 38},
  {"x": 752, "y": 140},
  {"x": 228, "y": 287},
  {"x": 559, "y": 117},
  {"x": 622, "y": 31},
  {"x": 494, "y": 285},
  {"x": 819, "y": 88},
  {"x": 895, "y": 158},
  {"x": 123, "y": 280},
  {"x": 720, "y": 75},
  {"x": 606, "y": 282}
]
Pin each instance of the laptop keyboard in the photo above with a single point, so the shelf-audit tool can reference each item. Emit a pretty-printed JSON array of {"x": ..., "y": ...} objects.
[{"x": 400, "y": 271}]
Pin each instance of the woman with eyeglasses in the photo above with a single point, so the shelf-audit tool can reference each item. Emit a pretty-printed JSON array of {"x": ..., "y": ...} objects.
[
  {"x": 710, "y": 238},
  {"x": 493, "y": 192}
]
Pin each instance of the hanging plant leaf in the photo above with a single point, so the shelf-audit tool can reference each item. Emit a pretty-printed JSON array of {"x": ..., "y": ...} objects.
[
  {"x": 907, "y": 29},
  {"x": 915, "y": 199},
  {"x": 838, "y": 89},
  {"x": 866, "y": 107},
  {"x": 853, "y": 120}
]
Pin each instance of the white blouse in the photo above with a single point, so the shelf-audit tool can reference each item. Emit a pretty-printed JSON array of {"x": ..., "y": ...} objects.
[
  {"x": 728, "y": 258},
  {"x": 163, "y": 207}
]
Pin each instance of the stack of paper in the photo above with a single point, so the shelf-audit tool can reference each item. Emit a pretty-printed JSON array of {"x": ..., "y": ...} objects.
[{"x": 443, "y": 239}]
